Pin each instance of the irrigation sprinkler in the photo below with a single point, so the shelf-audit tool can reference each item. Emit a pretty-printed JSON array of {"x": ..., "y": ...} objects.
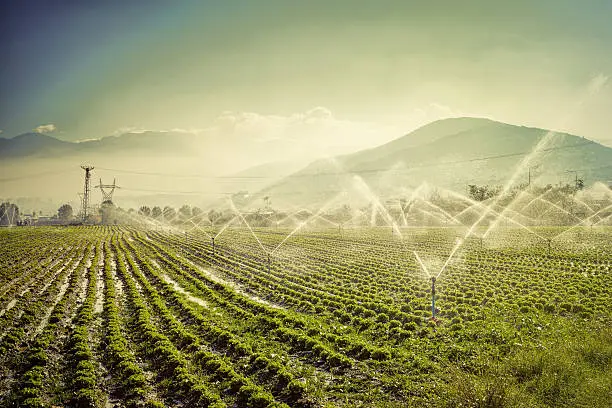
[
  {"x": 433, "y": 287},
  {"x": 433, "y": 298},
  {"x": 213, "y": 245}
]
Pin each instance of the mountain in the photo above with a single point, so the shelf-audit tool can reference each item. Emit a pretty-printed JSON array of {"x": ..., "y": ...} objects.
[
  {"x": 449, "y": 154},
  {"x": 208, "y": 153},
  {"x": 29, "y": 144},
  {"x": 202, "y": 168},
  {"x": 153, "y": 166},
  {"x": 40, "y": 145}
]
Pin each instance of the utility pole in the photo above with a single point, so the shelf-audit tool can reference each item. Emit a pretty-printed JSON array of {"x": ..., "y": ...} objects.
[
  {"x": 529, "y": 173},
  {"x": 433, "y": 297},
  {"x": 86, "y": 191},
  {"x": 575, "y": 177},
  {"x": 107, "y": 195}
]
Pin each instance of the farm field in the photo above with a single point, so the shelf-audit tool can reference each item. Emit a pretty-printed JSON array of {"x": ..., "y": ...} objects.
[{"x": 106, "y": 316}]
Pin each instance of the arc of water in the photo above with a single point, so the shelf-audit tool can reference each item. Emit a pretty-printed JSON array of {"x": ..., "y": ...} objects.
[
  {"x": 193, "y": 216},
  {"x": 602, "y": 220},
  {"x": 585, "y": 220},
  {"x": 594, "y": 86},
  {"x": 141, "y": 219},
  {"x": 501, "y": 209},
  {"x": 365, "y": 190},
  {"x": 436, "y": 207},
  {"x": 535, "y": 198},
  {"x": 469, "y": 208},
  {"x": 507, "y": 208},
  {"x": 197, "y": 226},
  {"x": 335, "y": 224},
  {"x": 423, "y": 267},
  {"x": 373, "y": 216},
  {"x": 304, "y": 223},
  {"x": 159, "y": 223},
  {"x": 225, "y": 226},
  {"x": 490, "y": 210},
  {"x": 436, "y": 216},
  {"x": 450, "y": 257},
  {"x": 9, "y": 216},
  {"x": 291, "y": 215},
  {"x": 350, "y": 220},
  {"x": 560, "y": 208},
  {"x": 239, "y": 214},
  {"x": 522, "y": 216},
  {"x": 583, "y": 203},
  {"x": 404, "y": 219},
  {"x": 540, "y": 197},
  {"x": 412, "y": 198}
]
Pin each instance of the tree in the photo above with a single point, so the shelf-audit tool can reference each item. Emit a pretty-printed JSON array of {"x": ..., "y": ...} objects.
[
  {"x": 196, "y": 213},
  {"x": 213, "y": 216},
  {"x": 65, "y": 212},
  {"x": 156, "y": 212},
  {"x": 342, "y": 214},
  {"x": 185, "y": 212},
  {"x": 169, "y": 213},
  {"x": 144, "y": 211},
  {"x": 107, "y": 211},
  {"x": 9, "y": 214},
  {"x": 481, "y": 193}
]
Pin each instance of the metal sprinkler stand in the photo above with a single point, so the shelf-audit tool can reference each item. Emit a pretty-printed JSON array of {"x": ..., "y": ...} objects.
[
  {"x": 213, "y": 245},
  {"x": 433, "y": 297}
]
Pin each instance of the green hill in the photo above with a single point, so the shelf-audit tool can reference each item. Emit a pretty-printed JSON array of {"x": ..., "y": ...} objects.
[{"x": 450, "y": 154}]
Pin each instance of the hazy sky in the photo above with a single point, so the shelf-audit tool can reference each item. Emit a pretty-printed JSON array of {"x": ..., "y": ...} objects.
[{"x": 88, "y": 69}]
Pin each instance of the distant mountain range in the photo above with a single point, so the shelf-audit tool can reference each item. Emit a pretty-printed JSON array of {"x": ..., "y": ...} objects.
[
  {"x": 451, "y": 154},
  {"x": 44, "y": 146}
]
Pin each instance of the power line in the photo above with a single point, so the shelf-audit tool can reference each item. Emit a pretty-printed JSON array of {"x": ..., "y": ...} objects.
[
  {"x": 201, "y": 176},
  {"x": 219, "y": 194},
  {"x": 176, "y": 192},
  {"x": 337, "y": 173},
  {"x": 588, "y": 169}
]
